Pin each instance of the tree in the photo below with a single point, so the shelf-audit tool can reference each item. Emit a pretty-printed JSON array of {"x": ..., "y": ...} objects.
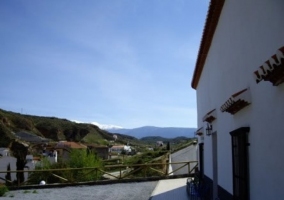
[
  {"x": 20, "y": 152},
  {"x": 8, "y": 175},
  {"x": 82, "y": 159},
  {"x": 168, "y": 146}
]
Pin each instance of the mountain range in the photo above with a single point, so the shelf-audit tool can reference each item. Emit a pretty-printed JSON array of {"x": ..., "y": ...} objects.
[
  {"x": 148, "y": 131},
  {"x": 31, "y": 128}
]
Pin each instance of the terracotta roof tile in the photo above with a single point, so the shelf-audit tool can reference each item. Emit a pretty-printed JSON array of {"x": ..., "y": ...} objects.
[{"x": 213, "y": 15}]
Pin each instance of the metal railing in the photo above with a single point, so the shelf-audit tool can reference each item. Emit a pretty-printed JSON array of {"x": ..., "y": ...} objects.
[{"x": 107, "y": 172}]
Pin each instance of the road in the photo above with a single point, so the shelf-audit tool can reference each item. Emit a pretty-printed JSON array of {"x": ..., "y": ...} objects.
[
  {"x": 186, "y": 154},
  {"x": 116, "y": 174}
]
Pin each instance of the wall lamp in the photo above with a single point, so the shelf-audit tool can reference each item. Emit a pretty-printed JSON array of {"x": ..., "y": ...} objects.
[{"x": 208, "y": 129}]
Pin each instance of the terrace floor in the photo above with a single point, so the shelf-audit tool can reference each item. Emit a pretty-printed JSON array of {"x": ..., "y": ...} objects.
[{"x": 170, "y": 189}]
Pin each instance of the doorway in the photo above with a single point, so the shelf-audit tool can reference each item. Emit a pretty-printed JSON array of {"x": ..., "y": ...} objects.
[
  {"x": 240, "y": 163},
  {"x": 215, "y": 165},
  {"x": 201, "y": 159}
]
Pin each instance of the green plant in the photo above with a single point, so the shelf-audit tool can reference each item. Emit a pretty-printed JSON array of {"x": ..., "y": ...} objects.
[
  {"x": 147, "y": 157},
  {"x": 82, "y": 159},
  {"x": 3, "y": 190},
  {"x": 77, "y": 159},
  {"x": 35, "y": 192},
  {"x": 26, "y": 191}
]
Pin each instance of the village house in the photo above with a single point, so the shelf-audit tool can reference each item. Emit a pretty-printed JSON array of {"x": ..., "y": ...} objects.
[
  {"x": 4, "y": 152},
  {"x": 159, "y": 143},
  {"x": 30, "y": 138},
  {"x": 238, "y": 80},
  {"x": 63, "y": 148},
  {"x": 101, "y": 151},
  {"x": 7, "y": 161},
  {"x": 117, "y": 149}
]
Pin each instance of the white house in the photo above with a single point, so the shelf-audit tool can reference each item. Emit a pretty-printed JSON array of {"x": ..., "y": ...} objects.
[
  {"x": 238, "y": 79},
  {"x": 117, "y": 148},
  {"x": 159, "y": 143},
  {"x": 63, "y": 149},
  {"x": 4, "y": 152},
  {"x": 6, "y": 159}
]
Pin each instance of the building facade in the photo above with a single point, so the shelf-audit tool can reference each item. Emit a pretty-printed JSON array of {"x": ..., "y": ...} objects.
[
  {"x": 8, "y": 162},
  {"x": 101, "y": 151},
  {"x": 238, "y": 79}
]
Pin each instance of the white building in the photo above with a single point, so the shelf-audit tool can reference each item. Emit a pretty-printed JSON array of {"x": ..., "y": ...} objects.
[
  {"x": 63, "y": 149},
  {"x": 238, "y": 79},
  {"x": 117, "y": 149},
  {"x": 6, "y": 159},
  {"x": 4, "y": 152}
]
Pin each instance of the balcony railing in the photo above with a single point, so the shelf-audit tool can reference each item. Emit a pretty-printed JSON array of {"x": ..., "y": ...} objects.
[{"x": 106, "y": 173}]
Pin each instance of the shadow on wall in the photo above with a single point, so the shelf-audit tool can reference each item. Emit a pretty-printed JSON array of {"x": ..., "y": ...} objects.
[{"x": 9, "y": 160}]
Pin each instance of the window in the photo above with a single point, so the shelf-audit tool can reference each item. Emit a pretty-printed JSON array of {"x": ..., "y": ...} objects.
[{"x": 240, "y": 163}]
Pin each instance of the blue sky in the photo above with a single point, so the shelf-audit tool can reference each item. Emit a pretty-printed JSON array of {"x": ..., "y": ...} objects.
[{"x": 122, "y": 62}]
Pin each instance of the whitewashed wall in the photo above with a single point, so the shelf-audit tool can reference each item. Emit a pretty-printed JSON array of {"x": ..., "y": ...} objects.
[
  {"x": 249, "y": 33},
  {"x": 6, "y": 160}
]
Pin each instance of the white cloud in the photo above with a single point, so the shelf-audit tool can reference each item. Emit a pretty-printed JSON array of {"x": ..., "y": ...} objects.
[{"x": 101, "y": 126}]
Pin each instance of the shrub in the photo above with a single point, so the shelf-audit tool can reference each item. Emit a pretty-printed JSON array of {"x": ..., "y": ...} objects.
[
  {"x": 77, "y": 159},
  {"x": 3, "y": 190},
  {"x": 81, "y": 159}
]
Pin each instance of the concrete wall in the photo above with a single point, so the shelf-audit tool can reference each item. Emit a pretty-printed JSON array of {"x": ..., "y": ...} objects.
[{"x": 249, "y": 32}]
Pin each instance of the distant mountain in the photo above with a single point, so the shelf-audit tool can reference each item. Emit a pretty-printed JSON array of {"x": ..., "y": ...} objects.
[
  {"x": 165, "y": 132},
  {"x": 154, "y": 139}
]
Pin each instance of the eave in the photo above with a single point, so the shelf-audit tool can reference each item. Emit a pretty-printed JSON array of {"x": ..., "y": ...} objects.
[
  {"x": 273, "y": 69},
  {"x": 212, "y": 19},
  {"x": 237, "y": 102}
]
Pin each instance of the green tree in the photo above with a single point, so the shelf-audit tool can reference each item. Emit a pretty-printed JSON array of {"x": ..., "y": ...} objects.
[
  {"x": 168, "y": 146},
  {"x": 77, "y": 159},
  {"x": 81, "y": 158},
  {"x": 8, "y": 175}
]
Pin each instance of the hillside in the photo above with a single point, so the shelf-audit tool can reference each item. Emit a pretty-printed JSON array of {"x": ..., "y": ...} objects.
[
  {"x": 154, "y": 139},
  {"x": 165, "y": 132},
  {"x": 36, "y": 128}
]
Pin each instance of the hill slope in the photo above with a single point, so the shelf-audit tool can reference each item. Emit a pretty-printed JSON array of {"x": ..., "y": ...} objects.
[{"x": 28, "y": 127}]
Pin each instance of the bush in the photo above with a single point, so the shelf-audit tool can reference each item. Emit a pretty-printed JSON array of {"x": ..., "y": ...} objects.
[
  {"x": 147, "y": 157},
  {"x": 82, "y": 159},
  {"x": 77, "y": 159},
  {"x": 3, "y": 190}
]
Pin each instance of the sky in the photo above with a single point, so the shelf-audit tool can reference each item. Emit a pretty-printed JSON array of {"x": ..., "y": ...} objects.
[{"x": 122, "y": 62}]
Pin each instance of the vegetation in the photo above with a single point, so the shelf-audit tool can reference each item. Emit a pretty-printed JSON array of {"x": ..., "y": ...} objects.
[
  {"x": 77, "y": 159},
  {"x": 145, "y": 157},
  {"x": 3, "y": 189},
  {"x": 19, "y": 151},
  {"x": 153, "y": 139},
  {"x": 54, "y": 129},
  {"x": 8, "y": 175},
  {"x": 158, "y": 156},
  {"x": 5, "y": 134}
]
